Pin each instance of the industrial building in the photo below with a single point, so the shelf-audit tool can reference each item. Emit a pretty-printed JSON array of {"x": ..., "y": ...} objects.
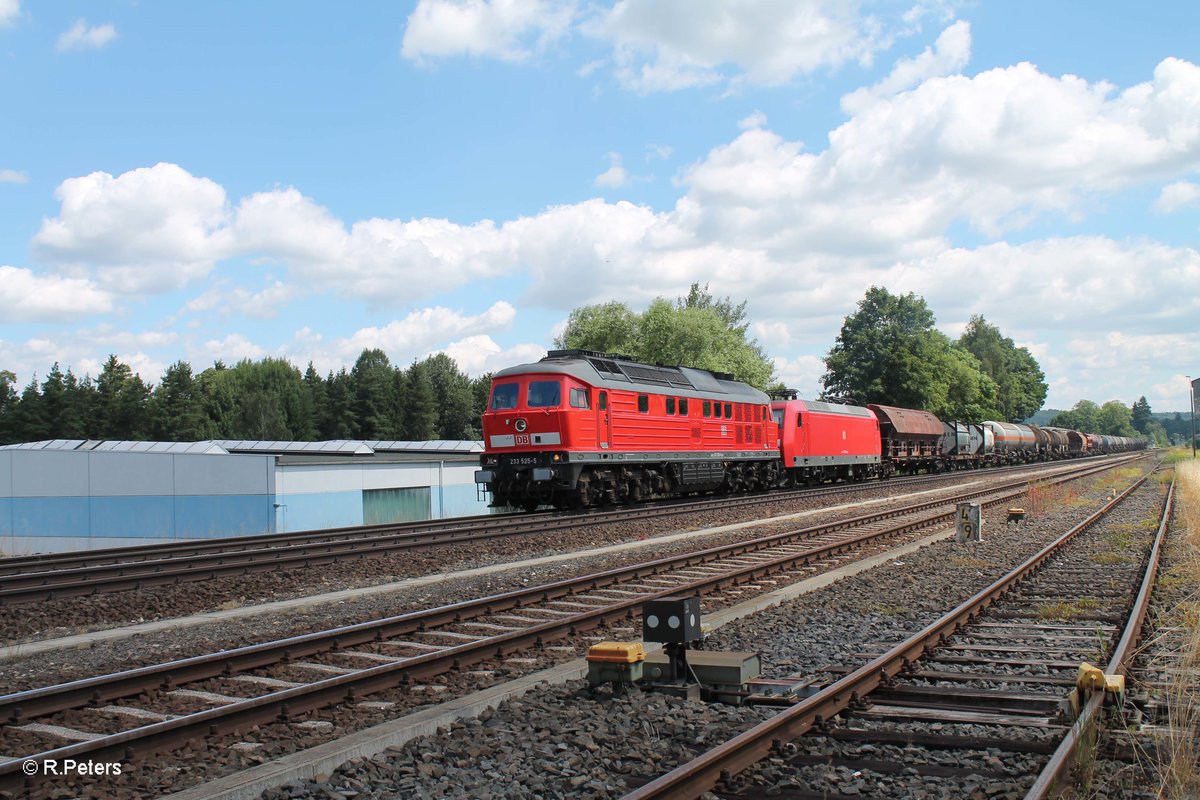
[{"x": 75, "y": 495}]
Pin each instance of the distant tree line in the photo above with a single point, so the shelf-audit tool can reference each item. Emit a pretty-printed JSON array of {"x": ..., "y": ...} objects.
[
  {"x": 264, "y": 400},
  {"x": 1116, "y": 419}
]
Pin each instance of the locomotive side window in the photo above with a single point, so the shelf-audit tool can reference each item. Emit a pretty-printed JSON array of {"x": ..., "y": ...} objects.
[
  {"x": 717, "y": 410},
  {"x": 643, "y": 404},
  {"x": 777, "y": 413},
  {"x": 579, "y": 398},
  {"x": 728, "y": 411},
  {"x": 683, "y": 407},
  {"x": 708, "y": 408},
  {"x": 603, "y": 401},
  {"x": 504, "y": 396},
  {"x": 799, "y": 420},
  {"x": 544, "y": 394},
  {"x": 671, "y": 406}
]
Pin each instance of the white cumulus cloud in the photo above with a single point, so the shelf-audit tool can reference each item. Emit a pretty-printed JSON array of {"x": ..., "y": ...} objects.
[
  {"x": 27, "y": 297},
  {"x": 81, "y": 36},
  {"x": 948, "y": 55},
  {"x": 1175, "y": 196},
  {"x": 9, "y": 11},
  {"x": 615, "y": 176},
  {"x": 424, "y": 330},
  {"x": 673, "y": 44},
  {"x": 233, "y": 348},
  {"x": 994, "y": 149},
  {"x": 509, "y": 30},
  {"x": 149, "y": 230},
  {"x": 478, "y": 354}
]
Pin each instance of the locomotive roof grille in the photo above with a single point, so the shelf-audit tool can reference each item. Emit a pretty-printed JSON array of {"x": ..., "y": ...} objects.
[
  {"x": 663, "y": 376},
  {"x": 610, "y": 368}
]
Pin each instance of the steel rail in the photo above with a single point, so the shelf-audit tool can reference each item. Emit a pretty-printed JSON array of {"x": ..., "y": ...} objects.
[
  {"x": 50, "y": 563},
  {"x": 34, "y": 587},
  {"x": 281, "y": 705},
  {"x": 1066, "y": 754},
  {"x": 702, "y": 773},
  {"x": 38, "y": 702}
]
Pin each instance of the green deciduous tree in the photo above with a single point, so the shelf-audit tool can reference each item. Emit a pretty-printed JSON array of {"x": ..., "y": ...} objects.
[
  {"x": 1114, "y": 419},
  {"x": 693, "y": 331},
  {"x": 1082, "y": 417},
  {"x": 889, "y": 352},
  {"x": 1020, "y": 382}
]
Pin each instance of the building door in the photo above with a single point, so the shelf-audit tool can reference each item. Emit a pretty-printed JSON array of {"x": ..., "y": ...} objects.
[{"x": 410, "y": 504}]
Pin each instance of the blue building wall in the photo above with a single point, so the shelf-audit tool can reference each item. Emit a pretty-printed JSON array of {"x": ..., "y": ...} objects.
[
  {"x": 55, "y": 500},
  {"x": 331, "y": 495},
  {"x": 67, "y": 500}
]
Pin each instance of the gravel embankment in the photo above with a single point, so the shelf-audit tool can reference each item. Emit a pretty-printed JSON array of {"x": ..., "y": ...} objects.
[{"x": 863, "y": 613}]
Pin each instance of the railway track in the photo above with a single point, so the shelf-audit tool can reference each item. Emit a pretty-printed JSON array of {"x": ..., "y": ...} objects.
[
  {"x": 234, "y": 689},
  {"x": 33, "y": 579},
  {"x": 993, "y": 661}
]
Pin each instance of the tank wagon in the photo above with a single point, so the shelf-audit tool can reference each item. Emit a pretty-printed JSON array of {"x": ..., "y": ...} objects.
[
  {"x": 580, "y": 429},
  {"x": 966, "y": 446}
]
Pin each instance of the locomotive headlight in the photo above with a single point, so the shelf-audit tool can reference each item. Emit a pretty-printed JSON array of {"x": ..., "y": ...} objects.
[
  {"x": 556, "y": 457},
  {"x": 521, "y": 425}
]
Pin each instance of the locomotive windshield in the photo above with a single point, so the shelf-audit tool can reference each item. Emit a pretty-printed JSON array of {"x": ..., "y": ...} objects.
[
  {"x": 777, "y": 415},
  {"x": 544, "y": 394},
  {"x": 504, "y": 396}
]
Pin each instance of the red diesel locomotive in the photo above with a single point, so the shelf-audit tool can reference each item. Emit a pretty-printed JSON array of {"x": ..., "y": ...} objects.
[{"x": 579, "y": 429}]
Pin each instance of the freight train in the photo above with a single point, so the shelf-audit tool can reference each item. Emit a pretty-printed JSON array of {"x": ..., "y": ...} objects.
[{"x": 580, "y": 429}]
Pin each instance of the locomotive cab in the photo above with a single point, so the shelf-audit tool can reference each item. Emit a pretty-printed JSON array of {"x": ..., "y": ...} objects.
[{"x": 530, "y": 423}]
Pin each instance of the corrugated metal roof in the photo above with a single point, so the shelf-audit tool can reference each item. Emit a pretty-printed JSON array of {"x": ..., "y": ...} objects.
[
  {"x": 433, "y": 446},
  {"x": 46, "y": 444},
  {"x": 336, "y": 447},
  {"x": 120, "y": 446}
]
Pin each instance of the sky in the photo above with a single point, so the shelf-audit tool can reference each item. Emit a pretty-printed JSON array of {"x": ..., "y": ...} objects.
[{"x": 228, "y": 180}]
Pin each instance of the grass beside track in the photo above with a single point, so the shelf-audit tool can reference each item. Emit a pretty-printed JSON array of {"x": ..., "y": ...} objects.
[{"x": 1178, "y": 742}]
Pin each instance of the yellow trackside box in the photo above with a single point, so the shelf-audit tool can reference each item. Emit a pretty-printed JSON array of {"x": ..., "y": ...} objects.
[{"x": 617, "y": 652}]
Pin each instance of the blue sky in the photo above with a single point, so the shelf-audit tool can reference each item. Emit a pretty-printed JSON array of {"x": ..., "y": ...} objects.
[{"x": 222, "y": 180}]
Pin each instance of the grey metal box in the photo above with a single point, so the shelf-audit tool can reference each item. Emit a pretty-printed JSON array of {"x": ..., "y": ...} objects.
[{"x": 671, "y": 620}]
